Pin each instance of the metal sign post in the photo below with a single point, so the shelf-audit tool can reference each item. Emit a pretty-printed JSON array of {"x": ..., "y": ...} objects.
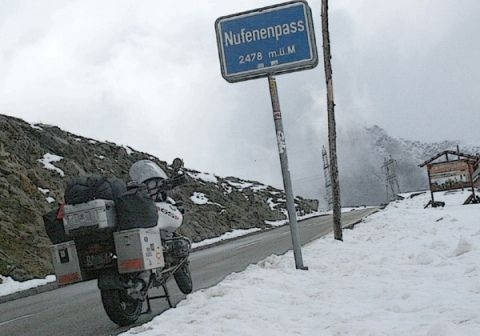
[
  {"x": 287, "y": 182},
  {"x": 262, "y": 43}
]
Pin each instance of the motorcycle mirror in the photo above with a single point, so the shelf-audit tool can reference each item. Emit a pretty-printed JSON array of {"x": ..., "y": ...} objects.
[{"x": 177, "y": 164}]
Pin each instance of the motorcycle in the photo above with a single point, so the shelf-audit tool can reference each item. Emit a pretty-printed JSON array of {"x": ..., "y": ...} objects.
[{"x": 127, "y": 263}]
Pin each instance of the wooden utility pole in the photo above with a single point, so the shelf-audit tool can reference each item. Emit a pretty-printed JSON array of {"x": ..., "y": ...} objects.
[{"x": 332, "y": 136}]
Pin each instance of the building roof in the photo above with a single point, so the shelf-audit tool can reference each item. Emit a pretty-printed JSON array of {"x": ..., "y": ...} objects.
[{"x": 446, "y": 152}]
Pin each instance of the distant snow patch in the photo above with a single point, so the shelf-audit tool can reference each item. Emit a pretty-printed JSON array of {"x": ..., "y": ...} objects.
[
  {"x": 128, "y": 149},
  {"x": 9, "y": 286},
  {"x": 35, "y": 126},
  {"x": 92, "y": 141},
  {"x": 272, "y": 204},
  {"x": 101, "y": 157},
  {"x": 227, "y": 188},
  {"x": 259, "y": 187},
  {"x": 44, "y": 191},
  {"x": 203, "y": 176},
  {"x": 199, "y": 198},
  {"x": 240, "y": 185},
  {"x": 50, "y": 199},
  {"x": 225, "y": 236},
  {"x": 47, "y": 163}
]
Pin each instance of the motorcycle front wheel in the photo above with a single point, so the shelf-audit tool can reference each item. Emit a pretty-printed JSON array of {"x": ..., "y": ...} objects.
[
  {"x": 183, "y": 278},
  {"x": 120, "y": 307}
]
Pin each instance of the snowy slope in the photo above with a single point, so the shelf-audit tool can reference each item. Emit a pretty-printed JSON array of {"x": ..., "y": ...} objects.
[{"x": 404, "y": 271}]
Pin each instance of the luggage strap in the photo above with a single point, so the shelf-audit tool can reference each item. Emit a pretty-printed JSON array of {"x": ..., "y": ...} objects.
[{"x": 97, "y": 184}]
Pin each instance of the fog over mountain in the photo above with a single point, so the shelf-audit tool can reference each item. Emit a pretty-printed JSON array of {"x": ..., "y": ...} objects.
[{"x": 361, "y": 155}]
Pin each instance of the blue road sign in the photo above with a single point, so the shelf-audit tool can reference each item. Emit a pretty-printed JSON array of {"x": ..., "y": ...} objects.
[{"x": 266, "y": 41}]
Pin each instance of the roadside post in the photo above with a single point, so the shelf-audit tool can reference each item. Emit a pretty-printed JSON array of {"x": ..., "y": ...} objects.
[{"x": 265, "y": 42}]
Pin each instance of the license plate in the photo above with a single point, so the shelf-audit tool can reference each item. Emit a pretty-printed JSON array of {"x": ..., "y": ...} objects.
[{"x": 96, "y": 260}]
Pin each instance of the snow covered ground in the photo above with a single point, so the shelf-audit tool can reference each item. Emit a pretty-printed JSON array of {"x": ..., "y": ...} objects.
[
  {"x": 404, "y": 271},
  {"x": 9, "y": 286}
]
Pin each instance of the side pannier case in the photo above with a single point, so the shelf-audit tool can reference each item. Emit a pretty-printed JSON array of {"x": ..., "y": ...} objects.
[
  {"x": 66, "y": 263},
  {"x": 138, "y": 250}
]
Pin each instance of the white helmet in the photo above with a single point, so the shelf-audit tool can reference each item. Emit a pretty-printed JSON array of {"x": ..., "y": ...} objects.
[{"x": 144, "y": 170}]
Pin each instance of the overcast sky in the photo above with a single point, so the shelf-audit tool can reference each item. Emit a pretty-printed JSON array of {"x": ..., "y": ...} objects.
[{"x": 146, "y": 74}]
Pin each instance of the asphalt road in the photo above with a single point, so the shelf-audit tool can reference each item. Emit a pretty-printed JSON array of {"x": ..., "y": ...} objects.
[{"x": 77, "y": 309}]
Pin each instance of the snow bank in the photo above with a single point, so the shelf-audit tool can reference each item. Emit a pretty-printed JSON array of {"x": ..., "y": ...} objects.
[
  {"x": 346, "y": 209},
  {"x": 47, "y": 163},
  {"x": 9, "y": 286},
  {"x": 285, "y": 221},
  {"x": 225, "y": 236},
  {"x": 242, "y": 232},
  {"x": 399, "y": 273}
]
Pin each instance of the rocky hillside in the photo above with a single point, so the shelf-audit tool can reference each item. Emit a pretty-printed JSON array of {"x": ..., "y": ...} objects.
[{"x": 37, "y": 160}]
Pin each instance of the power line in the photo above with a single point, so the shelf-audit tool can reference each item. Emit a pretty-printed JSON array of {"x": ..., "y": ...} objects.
[{"x": 391, "y": 181}]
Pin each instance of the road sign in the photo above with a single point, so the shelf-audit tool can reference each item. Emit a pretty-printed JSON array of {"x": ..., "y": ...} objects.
[
  {"x": 261, "y": 43},
  {"x": 266, "y": 41}
]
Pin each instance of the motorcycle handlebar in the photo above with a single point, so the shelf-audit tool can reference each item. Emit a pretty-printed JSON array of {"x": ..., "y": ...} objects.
[{"x": 175, "y": 182}]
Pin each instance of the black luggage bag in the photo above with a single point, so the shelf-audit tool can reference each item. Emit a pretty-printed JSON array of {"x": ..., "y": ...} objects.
[
  {"x": 82, "y": 189},
  {"x": 135, "y": 209}
]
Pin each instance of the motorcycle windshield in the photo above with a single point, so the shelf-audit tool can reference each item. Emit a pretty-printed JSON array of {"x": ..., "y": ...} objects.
[{"x": 144, "y": 170}]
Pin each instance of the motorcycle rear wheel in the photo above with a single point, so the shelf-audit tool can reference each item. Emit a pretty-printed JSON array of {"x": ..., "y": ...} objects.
[
  {"x": 183, "y": 278},
  {"x": 120, "y": 307}
]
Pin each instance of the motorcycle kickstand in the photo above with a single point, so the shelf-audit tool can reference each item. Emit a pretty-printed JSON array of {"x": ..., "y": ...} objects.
[
  {"x": 167, "y": 295},
  {"x": 149, "y": 307}
]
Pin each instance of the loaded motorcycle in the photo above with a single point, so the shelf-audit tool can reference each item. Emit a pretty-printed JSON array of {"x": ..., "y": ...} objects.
[{"x": 124, "y": 236}]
